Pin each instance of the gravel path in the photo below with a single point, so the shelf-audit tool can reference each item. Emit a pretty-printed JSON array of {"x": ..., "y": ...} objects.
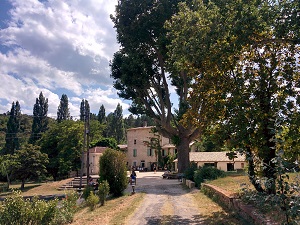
[{"x": 166, "y": 202}]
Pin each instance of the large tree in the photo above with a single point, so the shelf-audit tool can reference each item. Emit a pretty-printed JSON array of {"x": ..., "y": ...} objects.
[
  {"x": 101, "y": 114},
  {"x": 119, "y": 124},
  {"x": 40, "y": 118},
  {"x": 12, "y": 142},
  {"x": 115, "y": 125},
  {"x": 140, "y": 73},
  {"x": 84, "y": 110},
  {"x": 29, "y": 163},
  {"x": 62, "y": 142},
  {"x": 63, "y": 111},
  {"x": 239, "y": 55}
]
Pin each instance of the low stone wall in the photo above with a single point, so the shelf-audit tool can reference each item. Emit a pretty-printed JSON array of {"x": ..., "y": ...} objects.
[
  {"x": 231, "y": 202},
  {"x": 188, "y": 183}
]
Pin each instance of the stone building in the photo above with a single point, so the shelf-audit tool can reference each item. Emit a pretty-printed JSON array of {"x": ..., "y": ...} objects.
[{"x": 141, "y": 156}]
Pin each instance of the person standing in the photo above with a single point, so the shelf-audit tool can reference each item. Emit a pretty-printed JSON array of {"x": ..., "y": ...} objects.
[
  {"x": 154, "y": 168},
  {"x": 133, "y": 180}
]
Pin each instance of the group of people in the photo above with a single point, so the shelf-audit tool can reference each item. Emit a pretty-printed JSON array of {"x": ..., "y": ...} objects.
[{"x": 93, "y": 184}]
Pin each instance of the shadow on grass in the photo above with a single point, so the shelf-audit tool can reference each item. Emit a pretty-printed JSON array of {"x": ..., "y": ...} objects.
[
  {"x": 17, "y": 187},
  {"x": 216, "y": 219}
]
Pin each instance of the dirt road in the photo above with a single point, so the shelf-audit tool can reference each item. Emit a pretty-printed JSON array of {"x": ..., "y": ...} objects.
[{"x": 166, "y": 202}]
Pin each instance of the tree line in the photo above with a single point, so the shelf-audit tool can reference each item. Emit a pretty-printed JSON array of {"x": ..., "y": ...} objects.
[{"x": 55, "y": 145}]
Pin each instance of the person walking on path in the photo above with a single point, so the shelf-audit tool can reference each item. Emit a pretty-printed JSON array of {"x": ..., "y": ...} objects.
[
  {"x": 133, "y": 180},
  {"x": 154, "y": 168}
]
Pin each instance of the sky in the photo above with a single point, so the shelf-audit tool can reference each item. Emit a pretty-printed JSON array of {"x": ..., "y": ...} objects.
[{"x": 57, "y": 47}]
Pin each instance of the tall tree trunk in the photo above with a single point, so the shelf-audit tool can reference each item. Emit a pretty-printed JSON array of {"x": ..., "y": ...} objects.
[
  {"x": 251, "y": 171},
  {"x": 23, "y": 184},
  {"x": 183, "y": 154}
]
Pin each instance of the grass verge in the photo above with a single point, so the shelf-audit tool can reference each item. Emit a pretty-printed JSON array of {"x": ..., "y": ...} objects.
[{"x": 115, "y": 211}]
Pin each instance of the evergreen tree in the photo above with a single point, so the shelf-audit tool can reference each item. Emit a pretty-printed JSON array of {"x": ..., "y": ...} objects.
[
  {"x": 12, "y": 142},
  {"x": 109, "y": 130},
  {"x": 115, "y": 125},
  {"x": 40, "y": 119},
  {"x": 129, "y": 122},
  {"x": 119, "y": 124},
  {"x": 63, "y": 111},
  {"x": 101, "y": 114},
  {"x": 84, "y": 109}
]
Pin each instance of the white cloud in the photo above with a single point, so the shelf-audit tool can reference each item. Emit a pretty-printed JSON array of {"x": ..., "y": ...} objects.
[{"x": 58, "y": 47}]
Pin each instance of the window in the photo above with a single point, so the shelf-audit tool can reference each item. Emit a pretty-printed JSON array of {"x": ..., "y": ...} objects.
[
  {"x": 134, "y": 152},
  {"x": 209, "y": 164},
  {"x": 242, "y": 165},
  {"x": 134, "y": 141},
  {"x": 230, "y": 167},
  {"x": 163, "y": 152},
  {"x": 150, "y": 152}
]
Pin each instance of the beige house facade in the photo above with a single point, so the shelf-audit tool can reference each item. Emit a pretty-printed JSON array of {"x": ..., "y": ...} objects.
[
  {"x": 139, "y": 154},
  {"x": 94, "y": 157},
  {"x": 218, "y": 160}
]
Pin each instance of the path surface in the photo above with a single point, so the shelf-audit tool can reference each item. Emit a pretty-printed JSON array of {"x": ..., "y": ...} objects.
[{"x": 166, "y": 202}]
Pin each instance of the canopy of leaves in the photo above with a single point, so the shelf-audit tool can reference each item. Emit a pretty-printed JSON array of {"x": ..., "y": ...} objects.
[
  {"x": 241, "y": 58},
  {"x": 29, "y": 163},
  {"x": 139, "y": 69},
  {"x": 63, "y": 145}
]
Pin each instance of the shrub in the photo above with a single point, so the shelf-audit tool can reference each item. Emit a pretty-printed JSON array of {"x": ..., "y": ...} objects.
[
  {"x": 103, "y": 191},
  {"x": 17, "y": 210},
  {"x": 86, "y": 191},
  {"x": 189, "y": 173},
  {"x": 92, "y": 200},
  {"x": 66, "y": 209},
  {"x": 207, "y": 173},
  {"x": 113, "y": 169}
]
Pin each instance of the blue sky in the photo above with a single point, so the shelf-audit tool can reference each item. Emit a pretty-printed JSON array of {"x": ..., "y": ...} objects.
[{"x": 57, "y": 47}]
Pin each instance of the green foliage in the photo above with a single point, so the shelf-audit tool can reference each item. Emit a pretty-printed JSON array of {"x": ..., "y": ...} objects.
[
  {"x": 12, "y": 142},
  {"x": 246, "y": 68},
  {"x": 113, "y": 169},
  {"x": 87, "y": 191},
  {"x": 207, "y": 173},
  {"x": 63, "y": 111},
  {"x": 103, "y": 191},
  {"x": 84, "y": 110},
  {"x": 15, "y": 210},
  {"x": 67, "y": 209},
  {"x": 106, "y": 142},
  {"x": 101, "y": 114},
  {"x": 115, "y": 125},
  {"x": 190, "y": 172},
  {"x": 3, "y": 128},
  {"x": 96, "y": 131},
  {"x": 40, "y": 119},
  {"x": 63, "y": 144},
  {"x": 29, "y": 163},
  {"x": 92, "y": 201},
  {"x": 139, "y": 69}
]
